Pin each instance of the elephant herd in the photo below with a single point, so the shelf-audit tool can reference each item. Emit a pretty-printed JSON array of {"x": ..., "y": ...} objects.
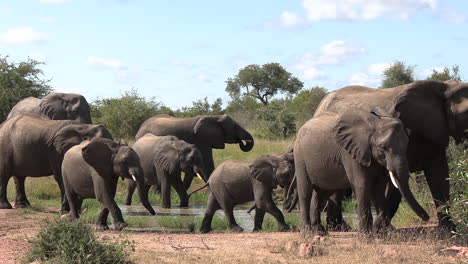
[{"x": 369, "y": 140}]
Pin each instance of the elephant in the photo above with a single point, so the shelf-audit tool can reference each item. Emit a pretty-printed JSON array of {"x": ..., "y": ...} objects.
[
  {"x": 433, "y": 111},
  {"x": 163, "y": 159},
  {"x": 237, "y": 182},
  {"x": 55, "y": 106},
  {"x": 334, "y": 152},
  {"x": 34, "y": 146},
  {"x": 205, "y": 132},
  {"x": 92, "y": 169}
]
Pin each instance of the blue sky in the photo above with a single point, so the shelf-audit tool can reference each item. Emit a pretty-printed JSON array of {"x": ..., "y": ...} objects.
[{"x": 181, "y": 51}]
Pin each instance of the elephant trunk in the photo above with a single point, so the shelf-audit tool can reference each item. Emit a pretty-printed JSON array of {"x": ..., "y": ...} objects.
[
  {"x": 245, "y": 136},
  {"x": 85, "y": 119},
  {"x": 400, "y": 179},
  {"x": 142, "y": 190}
]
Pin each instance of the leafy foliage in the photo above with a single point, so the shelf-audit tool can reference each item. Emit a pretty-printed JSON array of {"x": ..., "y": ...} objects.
[
  {"x": 277, "y": 120},
  {"x": 18, "y": 81},
  {"x": 202, "y": 107},
  {"x": 73, "y": 242},
  {"x": 263, "y": 82},
  {"x": 398, "y": 74},
  {"x": 446, "y": 75},
  {"x": 304, "y": 104},
  {"x": 124, "y": 115}
]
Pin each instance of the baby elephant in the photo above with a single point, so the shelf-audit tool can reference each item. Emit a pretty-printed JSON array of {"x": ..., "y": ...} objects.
[
  {"x": 92, "y": 170},
  {"x": 163, "y": 159},
  {"x": 236, "y": 182}
]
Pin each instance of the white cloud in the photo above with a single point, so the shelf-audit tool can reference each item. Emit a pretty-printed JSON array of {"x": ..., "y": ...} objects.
[
  {"x": 107, "y": 63},
  {"x": 289, "y": 19},
  {"x": 428, "y": 71},
  {"x": 52, "y": 1},
  {"x": 333, "y": 53},
  {"x": 37, "y": 56},
  {"x": 372, "y": 77},
  {"x": 453, "y": 16},
  {"x": 183, "y": 63},
  {"x": 364, "y": 9},
  {"x": 22, "y": 35},
  {"x": 203, "y": 77}
]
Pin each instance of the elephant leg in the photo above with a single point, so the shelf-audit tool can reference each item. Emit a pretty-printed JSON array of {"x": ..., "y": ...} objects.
[
  {"x": 165, "y": 192},
  {"x": 105, "y": 195},
  {"x": 304, "y": 191},
  {"x": 315, "y": 212},
  {"x": 211, "y": 209},
  {"x": 75, "y": 204},
  {"x": 264, "y": 200},
  {"x": 381, "y": 221},
  {"x": 335, "y": 221},
  {"x": 363, "y": 199},
  {"x": 437, "y": 176},
  {"x": 229, "y": 212},
  {"x": 4, "y": 178},
  {"x": 58, "y": 178},
  {"x": 131, "y": 186},
  {"x": 181, "y": 191},
  {"x": 188, "y": 178},
  {"x": 258, "y": 222},
  {"x": 21, "y": 199},
  {"x": 101, "y": 222}
]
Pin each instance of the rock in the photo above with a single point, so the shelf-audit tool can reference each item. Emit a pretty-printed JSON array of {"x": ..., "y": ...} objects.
[
  {"x": 291, "y": 245},
  {"x": 306, "y": 250}
]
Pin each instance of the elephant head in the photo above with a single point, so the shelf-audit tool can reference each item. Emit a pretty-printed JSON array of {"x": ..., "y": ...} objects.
[
  {"x": 115, "y": 160},
  {"x": 221, "y": 129},
  {"x": 66, "y": 106},
  {"x": 272, "y": 171},
  {"x": 177, "y": 155},
  {"x": 373, "y": 137},
  {"x": 73, "y": 133},
  {"x": 457, "y": 110}
]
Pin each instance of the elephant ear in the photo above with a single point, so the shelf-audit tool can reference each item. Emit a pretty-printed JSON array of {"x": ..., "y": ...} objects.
[
  {"x": 98, "y": 153},
  {"x": 352, "y": 133},
  {"x": 65, "y": 138},
  {"x": 167, "y": 157},
  {"x": 263, "y": 169},
  {"x": 52, "y": 106},
  {"x": 210, "y": 127}
]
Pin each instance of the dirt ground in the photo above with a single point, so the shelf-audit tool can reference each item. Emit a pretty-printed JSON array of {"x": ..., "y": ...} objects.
[{"x": 16, "y": 227}]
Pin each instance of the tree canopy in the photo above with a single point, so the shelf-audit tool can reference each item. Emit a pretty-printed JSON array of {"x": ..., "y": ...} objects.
[
  {"x": 398, "y": 74},
  {"x": 263, "y": 82},
  {"x": 445, "y": 74},
  {"x": 18, "y": 81}
]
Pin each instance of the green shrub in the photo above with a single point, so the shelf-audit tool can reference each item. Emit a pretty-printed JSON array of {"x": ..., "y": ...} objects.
[{"x": 65, "y": 241}]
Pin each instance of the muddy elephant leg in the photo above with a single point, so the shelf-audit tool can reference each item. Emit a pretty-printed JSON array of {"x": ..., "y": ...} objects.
[
  {"x": 335, "y": 221},
  {"x": 21, "y": 200},
  {"x": 181, "y": 191},
  {"x": 131, "y": 186},
  {"x": 211, "y": 209},
  {"x": 437, "y": 176},
  {"x": 4, "y": 178},
  {"x": 259, "y": 216}
]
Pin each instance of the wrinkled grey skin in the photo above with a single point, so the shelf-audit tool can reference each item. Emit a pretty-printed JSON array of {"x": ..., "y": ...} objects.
[
  {"x": 163, "y": 159},
  {"x": 92, "y": 170},
  {"x": 55, "y": 106},
  {"x": 432, "y": 112},
  {"x": 334, "y": 152},
  {"x": 205, "y": 132},
  {"x": 32, "y": 146},
  {"x": 236, "y": 182}
]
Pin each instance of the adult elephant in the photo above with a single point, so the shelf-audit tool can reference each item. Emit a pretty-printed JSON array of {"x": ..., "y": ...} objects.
[
  {"x": 205, "y": 132},
  {"x": 432, "y": 111},
  {"x": 55, "y": 106},
  {"x": 34, "y": 146}
]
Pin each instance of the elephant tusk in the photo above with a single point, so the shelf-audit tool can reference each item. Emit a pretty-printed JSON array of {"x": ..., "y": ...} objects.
[
  {"x": 199, "y": 176},
  {"x": 134, "y": 178},
  {"x": 393, "y": 179}
]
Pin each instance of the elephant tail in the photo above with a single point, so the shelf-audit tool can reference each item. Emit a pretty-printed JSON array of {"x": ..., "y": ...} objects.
[
  {"x": 201, "y": 188},
  {"x": 292, "y": 191}
]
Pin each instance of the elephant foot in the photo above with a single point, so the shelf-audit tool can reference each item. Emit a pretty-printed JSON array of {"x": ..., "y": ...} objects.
[
  {"x": 120, "y": 225},
  {"x": 101, "y": 227},
  {"x": 5, "y": 205},
  {"x": 64, "y": 211},
  {"x": 257, "y": 229},
  {"x": 128, "y": 202},
  {"x": 166, "y": 206},
  {"x": 205, "y": 229},
  {"x": 22, "y": 204},
  {"x": 283, "y": 228},
  {"x": 236, "y": 228},
  {"x": 339, "y": 227},
  {"x": 183, "y": 204}
]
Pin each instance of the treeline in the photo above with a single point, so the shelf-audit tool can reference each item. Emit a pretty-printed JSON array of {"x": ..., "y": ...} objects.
[{"x": 267, "y": 100}]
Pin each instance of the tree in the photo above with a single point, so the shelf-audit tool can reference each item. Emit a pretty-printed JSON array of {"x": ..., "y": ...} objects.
[
  {"x": 303, "y": 105},
  {"x": 18, "y": 81},
  {"x": 445, "y": 74},
  {"x": 398, "y": 74},
  {"x": 202, "y": 107},
  {"x": 277, "y": 120},
  {"x": 263, "y": 82},
  {"x": 124, "y": 115}
]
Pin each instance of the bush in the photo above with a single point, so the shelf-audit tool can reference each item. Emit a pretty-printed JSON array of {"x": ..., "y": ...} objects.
[
  {"x": 277, "y": 120},
  {"x": 458, "y": 163},
  {"x": 73, "y": 242},
  {"x": 123, "y": 116}
]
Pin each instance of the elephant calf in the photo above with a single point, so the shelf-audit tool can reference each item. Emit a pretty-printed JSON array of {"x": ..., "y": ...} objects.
[
  {"x": 163, "y": 158},
  {"x": 91, "y": 170},
  {"x": 235, "y": 182}
]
